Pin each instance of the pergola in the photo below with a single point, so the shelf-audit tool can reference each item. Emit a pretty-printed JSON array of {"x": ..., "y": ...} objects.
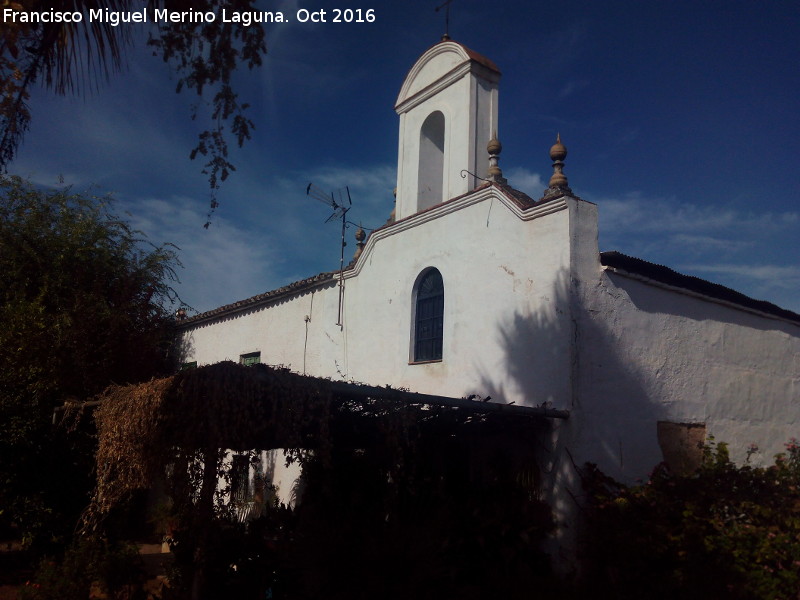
[{"x": 188, "y": 422}]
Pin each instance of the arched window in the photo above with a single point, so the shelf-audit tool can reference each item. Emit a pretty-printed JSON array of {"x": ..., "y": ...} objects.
[
  {"x": 430, "y": 175},
  {"x": 429, "y": 317}
]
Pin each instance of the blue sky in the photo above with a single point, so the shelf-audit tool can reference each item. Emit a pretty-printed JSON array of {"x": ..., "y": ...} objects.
[{"x": 681, "y": 120}]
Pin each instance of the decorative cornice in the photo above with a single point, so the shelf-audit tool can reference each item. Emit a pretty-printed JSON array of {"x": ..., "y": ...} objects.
[
  {"x": 406, "y": 102},
  {"x": 485, "y": 192},
  {"x": 434, "y": 88}
]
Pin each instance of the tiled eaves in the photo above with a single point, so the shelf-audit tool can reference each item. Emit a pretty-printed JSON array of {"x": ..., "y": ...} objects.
[
  {"x": 271, "y": 296},
  {"x": 524, "y": 201},
  {"x": 641, "y": 269}
]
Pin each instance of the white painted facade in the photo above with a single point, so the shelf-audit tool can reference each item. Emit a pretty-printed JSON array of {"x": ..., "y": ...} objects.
[
  {"x": 531, "y": 315},
  {"x": 649, "y": 353}
]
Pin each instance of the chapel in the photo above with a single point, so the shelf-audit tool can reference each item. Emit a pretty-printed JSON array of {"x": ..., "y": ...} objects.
[{"x": 474, "y": 289}]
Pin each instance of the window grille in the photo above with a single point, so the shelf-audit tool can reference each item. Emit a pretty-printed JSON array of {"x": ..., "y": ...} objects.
[{"x": 429, "y": 317}]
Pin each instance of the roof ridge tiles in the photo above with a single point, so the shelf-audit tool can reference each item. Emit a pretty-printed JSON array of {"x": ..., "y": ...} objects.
[{"x": 663, "y": 274}]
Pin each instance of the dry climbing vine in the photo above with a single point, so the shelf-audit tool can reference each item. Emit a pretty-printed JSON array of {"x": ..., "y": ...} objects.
[
  {"x": 168, "y": 427},
  {"x": 129, "y": 423}
]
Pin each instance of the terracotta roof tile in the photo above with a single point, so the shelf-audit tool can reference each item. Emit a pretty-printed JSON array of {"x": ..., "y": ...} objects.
[
  {"x": 474, "y": 56},
  {"x": 293, "y": 288},
  {"x": 479, "y": 58},
  {"x": 665, "y": 275}
]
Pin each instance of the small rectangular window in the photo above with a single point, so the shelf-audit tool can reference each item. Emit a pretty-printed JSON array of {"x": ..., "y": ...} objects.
[
  {"x": 189, "y": 365},
  {"x": 251, "y": 358}
]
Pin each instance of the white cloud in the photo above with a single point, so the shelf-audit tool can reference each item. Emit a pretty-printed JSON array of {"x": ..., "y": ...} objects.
[
  {"x": 278, "y": 236},
  {"x": 776, "y": 283},
  {"x": 370, "y": 190},
  {"x": 781, "y": 276},
  {"x": 637, "y": 214},
  {"x": 371, "y": 182},
  {"x": 707, "y": 243},
  {"x": 526, "y": 181},
  {"x": 737, "y": 248},
  {"x": 222, "y": 264},
  {"x": 572, "y": 86}
]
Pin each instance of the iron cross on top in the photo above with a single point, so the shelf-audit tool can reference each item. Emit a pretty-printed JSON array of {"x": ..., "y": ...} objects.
[{"x": 445, "y": 5}]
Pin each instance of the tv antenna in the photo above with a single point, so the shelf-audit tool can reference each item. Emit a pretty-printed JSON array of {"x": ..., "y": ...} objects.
[{"x": 340, "y": 209}]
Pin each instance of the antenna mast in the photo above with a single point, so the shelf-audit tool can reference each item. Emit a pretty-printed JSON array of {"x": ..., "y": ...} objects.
[
  {"x": 339, "y": 210},
  {"x": 445, "y": 5}
]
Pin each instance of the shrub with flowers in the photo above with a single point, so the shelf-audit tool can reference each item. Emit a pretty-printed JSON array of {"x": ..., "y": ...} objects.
[{"x": 726, "y": 531}]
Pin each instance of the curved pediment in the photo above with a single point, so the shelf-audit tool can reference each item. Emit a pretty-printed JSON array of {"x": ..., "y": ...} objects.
[{"x": 441, "y": 64}]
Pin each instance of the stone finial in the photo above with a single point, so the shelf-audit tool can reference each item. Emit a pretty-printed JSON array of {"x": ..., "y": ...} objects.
[
  {"x": 558, "y": 182},
  {"x": 494, "y": 148},
  {"x": 558, "y": 152},
  {"x": 361, "y": 235}
]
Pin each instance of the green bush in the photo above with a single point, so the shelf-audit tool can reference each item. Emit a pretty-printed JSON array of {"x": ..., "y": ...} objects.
[{"x": 727, "y": 531}]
